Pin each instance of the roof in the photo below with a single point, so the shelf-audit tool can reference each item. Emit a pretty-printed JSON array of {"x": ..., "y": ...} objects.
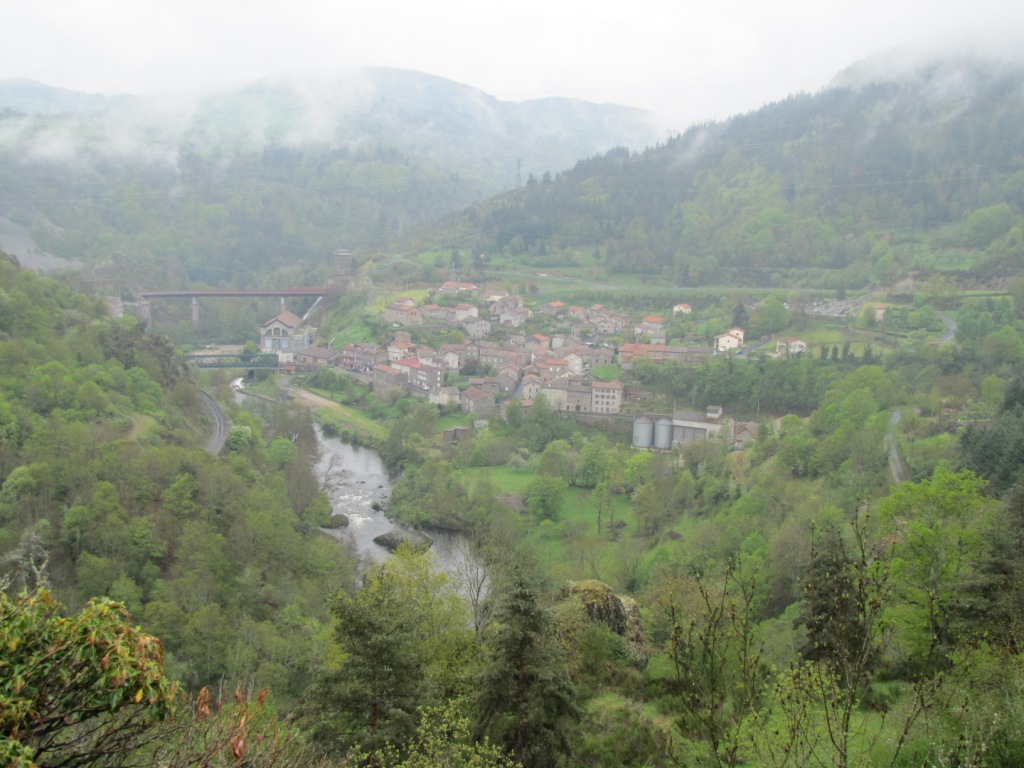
[
  {"x": 414, "y": 362},
  {"x": 654, "y": 319},
  {"x": 452, "y": 285},
  {"x": 615, "y": 384},
  {"x": 637, "y": 348},
  {"x": 285, "y": 318},
  {"x": 322, "y": 353}
]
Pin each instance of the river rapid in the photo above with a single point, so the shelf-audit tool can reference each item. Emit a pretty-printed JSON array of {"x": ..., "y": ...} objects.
[{"x": 364, "y": 483}]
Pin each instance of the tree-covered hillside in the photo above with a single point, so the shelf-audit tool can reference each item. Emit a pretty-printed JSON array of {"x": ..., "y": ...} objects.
[
  {"x": 280, "y": 172},
  {"x": 861, "y": 183},
  {"x": 107, "y": 490},
  {"x": 833, "y": 575}
]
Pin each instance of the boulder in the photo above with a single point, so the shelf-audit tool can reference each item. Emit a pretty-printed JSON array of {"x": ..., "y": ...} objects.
[
  {"x": 603, "y": 606},
  {"x": 336, "y": 520},
  {"x": 619, "y": 614},
  {"x": 392, "y": 540}
]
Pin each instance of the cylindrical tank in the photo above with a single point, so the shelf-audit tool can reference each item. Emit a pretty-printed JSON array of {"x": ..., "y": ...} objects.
[
  {"x": 663, "y": 433},
  {"x": 643, "y": 432}
]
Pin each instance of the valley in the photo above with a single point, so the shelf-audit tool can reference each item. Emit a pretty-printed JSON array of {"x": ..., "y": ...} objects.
[{"x": 718, "y": 436}]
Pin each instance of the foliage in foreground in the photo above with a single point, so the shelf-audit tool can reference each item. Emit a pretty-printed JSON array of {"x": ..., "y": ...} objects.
[{"x": 76, "y": 690}]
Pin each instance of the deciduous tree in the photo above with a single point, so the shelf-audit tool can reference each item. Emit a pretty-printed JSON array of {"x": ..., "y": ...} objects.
[{"x": 78, "y": 690}]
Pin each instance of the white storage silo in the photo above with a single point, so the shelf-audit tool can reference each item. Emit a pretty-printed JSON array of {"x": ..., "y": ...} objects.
[
  {"x": 663, "y": 433},
  {"x": 643, "y": 432}
]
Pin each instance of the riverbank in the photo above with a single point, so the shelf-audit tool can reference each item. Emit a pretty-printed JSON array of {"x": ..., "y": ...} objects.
[{"x": 338, "y": 418}]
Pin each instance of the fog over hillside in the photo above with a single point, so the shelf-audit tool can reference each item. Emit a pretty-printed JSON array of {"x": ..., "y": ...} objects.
[{"x": 457, "y": 125}]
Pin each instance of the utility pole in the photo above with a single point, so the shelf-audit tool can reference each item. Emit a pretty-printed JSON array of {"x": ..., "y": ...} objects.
[{"x": 519, "y": 173}]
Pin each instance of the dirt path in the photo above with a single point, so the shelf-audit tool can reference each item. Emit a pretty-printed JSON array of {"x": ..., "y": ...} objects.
[{"x": 311, "y": 399}]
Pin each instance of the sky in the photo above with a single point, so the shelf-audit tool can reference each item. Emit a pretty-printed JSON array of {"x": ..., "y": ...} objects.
[{"x": 683, "y": 60}]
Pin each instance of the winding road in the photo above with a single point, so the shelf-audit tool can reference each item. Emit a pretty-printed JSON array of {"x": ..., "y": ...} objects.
[
  {"x": 897, "y": 465},
  {"x": 950, "y": 332},
  {"x": 215, "y": 444}
]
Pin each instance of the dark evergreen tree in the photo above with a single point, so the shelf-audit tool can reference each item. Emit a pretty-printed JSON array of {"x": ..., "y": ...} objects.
[
  {"x": 526, "y": 698},
  {"x": 405, "y": 643},
  {"x": 831, "y": 599},
  {"x": 371, "y": 698}
]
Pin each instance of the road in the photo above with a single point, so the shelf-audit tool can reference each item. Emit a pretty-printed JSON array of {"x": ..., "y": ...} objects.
[
  {"x": 215, "y": 444},
  {"x": 897, "y": 465},
  {"x": 950, "y": 333}
]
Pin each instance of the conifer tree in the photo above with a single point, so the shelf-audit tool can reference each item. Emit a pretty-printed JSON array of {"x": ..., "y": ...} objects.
[{"x": 526, "y": 698}]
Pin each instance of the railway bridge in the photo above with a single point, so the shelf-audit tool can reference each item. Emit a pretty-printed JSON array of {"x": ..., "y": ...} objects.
[
  {"x": 281, "y": 294},
  {"x": 338, "y": 283}
]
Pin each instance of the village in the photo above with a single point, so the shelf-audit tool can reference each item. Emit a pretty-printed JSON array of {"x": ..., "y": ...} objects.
[{"x": 499, "y": 361}]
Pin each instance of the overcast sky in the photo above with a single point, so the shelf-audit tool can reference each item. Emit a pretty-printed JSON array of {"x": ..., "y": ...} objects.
[{"x": 687, "y": 61}]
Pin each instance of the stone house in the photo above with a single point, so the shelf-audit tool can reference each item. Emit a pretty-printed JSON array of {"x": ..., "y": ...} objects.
[
  {"x": 477, "y": 327},
  {"x": 490, "y": 385},
  {"x": 476, "y": 402},
  {"x": 419, "y": 374},
  {"x": 402, "y": 314},
  {"x": 362, "y": 357},
  {"x": 515, "y": 317},
  {"x": 437, "y": 314},
  {"x": 464, "y": 312},
  {"x": 607, "y": 396},
  {"x": 285, "y": 335},
  {"x": 508, "y": 377},
  {"x": 444, "y": 396},
  {"x": 532, "y": 385},
  {"x": 556, "y": 393},
  {"x": 538, "y": 343},
  {"x": 399, "y": 350},
  {"x": 725, "y": 342},
  {"x": 385, "y": 377},
  {"x": 318, "y": 357},
  {"x": 578, "y": 394}
]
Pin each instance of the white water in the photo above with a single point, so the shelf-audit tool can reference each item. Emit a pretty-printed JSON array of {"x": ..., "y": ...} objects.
[{"x": 365, "y": 481}]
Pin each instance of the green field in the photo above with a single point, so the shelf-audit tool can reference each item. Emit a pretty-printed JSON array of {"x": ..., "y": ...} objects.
[
  {"x": 570, "y": 547},
  {"x": 344, "y": 417}
]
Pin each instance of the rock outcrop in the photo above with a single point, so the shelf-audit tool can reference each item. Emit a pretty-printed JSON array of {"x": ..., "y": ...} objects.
[{"x": 392, "y": 540}]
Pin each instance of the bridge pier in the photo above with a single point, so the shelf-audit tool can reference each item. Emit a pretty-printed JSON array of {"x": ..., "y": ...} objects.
[{"x": 195, "y": 313}]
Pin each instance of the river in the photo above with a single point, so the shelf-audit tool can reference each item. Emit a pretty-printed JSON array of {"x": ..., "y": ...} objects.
[{"x": 365, "y": 482}]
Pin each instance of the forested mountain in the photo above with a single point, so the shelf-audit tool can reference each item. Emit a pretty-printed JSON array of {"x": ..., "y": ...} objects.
[
  {"x": 838, "y": 583},
  {"x": 885, "y": 171},
  {"x": 107, "y": 490},
  {"x": 279, "y": 172}
]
